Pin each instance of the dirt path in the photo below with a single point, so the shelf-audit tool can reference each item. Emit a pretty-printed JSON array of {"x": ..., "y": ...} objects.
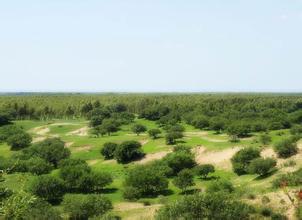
[
  {"x": 152, "y": 157},
  {"x": 203, "y": 135},
  {"x": 40, "y": 130},
  {"x": 220, "y": 159},
  {"x": 80, "y": 132}
]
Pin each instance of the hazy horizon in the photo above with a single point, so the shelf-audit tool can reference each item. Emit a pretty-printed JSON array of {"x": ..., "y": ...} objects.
[{"x": 156, "y": 46}]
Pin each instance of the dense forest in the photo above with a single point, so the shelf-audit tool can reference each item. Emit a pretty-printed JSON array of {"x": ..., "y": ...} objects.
[{"x": 183, "y": 156}]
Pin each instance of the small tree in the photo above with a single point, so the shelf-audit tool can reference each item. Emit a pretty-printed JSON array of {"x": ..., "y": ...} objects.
[
  {"x": 48, "y": 187},
  {"x": 296, "y": 130},
  {"x": 108, "y": 150},
  {"x": 242, "y": 159},
  {"x": 138, "y": 128},
  {"x": 128, "y": 151},
  {"x": 4, "y": 119},
  {"x": 286, "y": 148},
  {"x": 19, "y": 141},
  {"x": 172, "y": 136},
  {"x": 184, "y": 179},
  {"x": 180, "y": 160},
  {"x": 204, "y": 170},
  {"x": 86, "y": 206},
  {"x": 262, "y": 166},
  {"x": 265, "y": 139},
  {"x": 38, "y": 166},
  {"x": 153, "y": 133},
  {"x": 110, "y": 126},
  {"x": 221, "y": 185}
]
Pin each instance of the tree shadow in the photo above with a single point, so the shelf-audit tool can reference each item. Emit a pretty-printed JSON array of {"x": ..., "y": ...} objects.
[{"x": 266, "y": 175}]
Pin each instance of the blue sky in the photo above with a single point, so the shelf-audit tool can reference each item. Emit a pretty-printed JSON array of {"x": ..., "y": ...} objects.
[{"x": 149, "y": 46}]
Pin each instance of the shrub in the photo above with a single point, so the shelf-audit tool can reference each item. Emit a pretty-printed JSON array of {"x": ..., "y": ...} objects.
[
  {"x": 48, "y": 187},
  {"x": 261, "y": 166},
  {"x": 138, "y": 128},
  {"x": 201, "y": 122},
  {"x": 19, "y": 141},
  {"x": 296, "y": 130},
  {"x": 286, "y": 148},
  {"x": 153, "y": 133},
  {"x": 204, "y": 170},
  {"x": 128, "y": 151},
  {"x": 220, "y": 186},
  {"x": 144, "y": 180},
  {"x": 178, "y": 161},
  {"x": 265, "y": 139},
  {"x": 52, "y": 150},
  {"x": 108, "y": 150},
  {"x": 85, "y": 206},
  {"x": 205, "y": 206},
  {"x": 172, "y": 136},
  {"x": 289, "y": 179},
  {"x": 242, "y": 159},
  {"x": 38, "y": 166},
  {"x": 184, "y": 179}
]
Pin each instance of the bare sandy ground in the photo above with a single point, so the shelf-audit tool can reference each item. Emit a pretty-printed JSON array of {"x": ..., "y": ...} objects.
[
  {"x": 68, "y": 144},
  {"x": 219, "y": 159},
  {"x": 203, "y": 135},
  {"x": 40, "y": 130},
  {"x": 86, "y": 148},
  {"x": 152, "y": 157},
  {"x": 80, "y": 132}
]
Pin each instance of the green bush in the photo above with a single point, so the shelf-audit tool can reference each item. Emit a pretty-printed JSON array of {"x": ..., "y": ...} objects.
[
  {"x": 262, "y": 166},
  {"x": 38, "y": 166},
  {"x": 153, "y": 133},
  {"x": 242, "y": 159},
  {"x": 180, "y": 160},
  {"x": 128, "y": 151},
  {"x": 138, "y": 128},
  {"x": 48, "y": 187},
  {"x": 19, "y": 141},
  {"x": 222, "y": 185},
  {"x": 286, "y": 148},
  {"x": 204, "y": 170},
  {"x": 184, "y": 179},
  {"x": 108, "y": 150},
  {"x": 86, "y": 206}
]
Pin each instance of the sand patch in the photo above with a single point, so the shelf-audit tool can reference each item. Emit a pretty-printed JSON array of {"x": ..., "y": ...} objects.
[
  {"x": 38, "y": 139},
  {"x": 80, "y": 132},
  {"x": 40, "y": 130},
  {"x": 63, "y": 123},
  {"x": 220, "y": 159},
  {"x": 109, "y": 162},
  {"x": 203, "y": 135},
  {"x": 154, "y": 156},
  {"x": 143, "y": 142},
  {"x": 68, "y": 144},
  {"x": 86, "y": 148},
  {"x": 92, "y": 162}
]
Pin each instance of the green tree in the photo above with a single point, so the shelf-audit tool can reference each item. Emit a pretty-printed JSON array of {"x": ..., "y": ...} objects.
[
  {"x": 5, "y": 119},
  {"x": 242, "y": 159},
  {"x": 19, "y": 141},
  {"x": 262, "y": 166},
  {"x": 138, "y": 128},
  {"x": 144, "y": 180},
  {"x": 180, "y": 160},
  {"x": 153, "y": 133},
  {"x": 109, "y": 125},
  {"x": 172, "y": 136},
  {"x": 204, "y": 170},
  {"x": 265, "y": 139},
  {"x": 286, "y": 148},
  {"x": 128, "y": 151},
  {"x": 222, "y": 185},
  {"x": 184, "y": 179},
  {"x": 48, "y": 187},
  {"x": 38, "y": 166},
  {"x": 86, "y": 206},
  {"x": 108, "y": 150}
]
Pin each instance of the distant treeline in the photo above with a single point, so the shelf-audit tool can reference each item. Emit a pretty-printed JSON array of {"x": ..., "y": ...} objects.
[{"x": 272, "y": 111}]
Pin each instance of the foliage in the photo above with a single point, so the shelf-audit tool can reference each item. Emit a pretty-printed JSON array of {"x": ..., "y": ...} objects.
[
  {"x": 204, "y": 170},
  {"x": 208, "y": 206},
  {"x": 108, "y": 150},
  {"x": 38, "y": 166},
  {"x": 184, "y": 179},
  {"x": 286, "y": 148},
  {"x": 242, "y": 159},
  {"x": 138, "y": 128},
  {"x": 289, "y": 179},
  {"x": 265, "y": 139},
  {"x": 143, "y": 180},
  {"x": 48, "y": 187},
  {"x": 172, "y": 136},
  {"x": 221, "y": 185},
  {"x": 86, "y": 206},
  {"x": 153, "y": 133},
  {"x": 262, "y": 166},
  {"x": 180, "y": 160},
  {"x": 128, "y": 151},
  {"x": 19, "y": 141}
]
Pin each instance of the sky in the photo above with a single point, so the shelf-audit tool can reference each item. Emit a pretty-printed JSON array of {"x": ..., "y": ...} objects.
[{"x": 151, "y": 46}]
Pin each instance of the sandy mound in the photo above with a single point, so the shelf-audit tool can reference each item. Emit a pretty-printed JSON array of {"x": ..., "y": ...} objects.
[
  {"x": 80, "y": 132},
  {"x": 86, "y": 148},
  {"x": 220, "y": 159},
  {"x": 38, "y": 139},
  {"x": 68, "y": 144},
  {"x": 154, "y": 156},
  {"x": 40, "y": 130}
]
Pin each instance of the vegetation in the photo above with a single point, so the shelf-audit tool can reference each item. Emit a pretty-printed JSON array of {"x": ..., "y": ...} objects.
[{"x": 76, "y": 157}]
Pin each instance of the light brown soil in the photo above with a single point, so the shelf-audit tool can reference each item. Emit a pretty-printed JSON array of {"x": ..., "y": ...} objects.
[
  {"x": 80, "y": 132},
  {"x": 203, "y": 135},
  {"x": 219, "y": 159},
  {"x": 86, "y": 148},
  {"x": 151, "y": 157},
  {"x": 92, "y": 162},
  {"x": 68, "y": 144},
  {"x": 40, "y": 130},
  {"x": 38, "y": 139},
  {"x": 143, "y": 142}
]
